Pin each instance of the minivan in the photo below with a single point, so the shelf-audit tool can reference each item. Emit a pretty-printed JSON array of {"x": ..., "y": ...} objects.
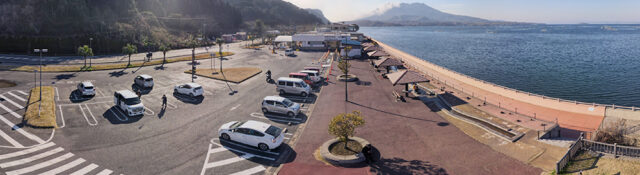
[
  {"x": 312, "y": 68},
  {"x": 302, "y": 76},
  {"x": 143, "y": 81},
  {"x": 286, "y": 85},
  {"x": 128, "y": 102},
  {"x": 313, "y": 75},
  {"x": 280, "y": 105}
]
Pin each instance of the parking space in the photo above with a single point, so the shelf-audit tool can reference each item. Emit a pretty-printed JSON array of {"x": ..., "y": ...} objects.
[
  {"x": 229, "y": 157},
  {"x": 12, "y": 109}
]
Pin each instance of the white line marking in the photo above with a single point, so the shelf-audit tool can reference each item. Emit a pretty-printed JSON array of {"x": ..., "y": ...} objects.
[
  {"x": 105, "y": 172},
  {"x": 279, "y": 119},
  {"x": 18, "y": 97},
  {"x": 263, "y": 157},
  {"x": 235, "y": 107},
  {"x": 85, "y": 170},
  {"x": 73, "y": 104},
  {"x": 65, "y": 167},
  {"x": 91, "y": 113},
  {"x": 147, "y": 109},
  {"x": 26, "y": 151},
  {"x": 10, "y": 140},
  {"x": 32, "y": 158},
  {"x": 247, "y": 147},
  {"x": 99, "y": 92},
  {"x": 118, "y": 116},
  {"x": 40, "y": 165},
  {"x": 287, "y": 138},
  {"x": 171, "y": 105},
  {"x": 62, "y": 116},
  {"x": 288, "y": 134},
  {"x": 206, "y": 160},
  {"x": 215, "y": 150},
  {"x": 22, "y": 92},
  {"x": 10, "y": 111},
  {"x": 57, "y": 94},
  {"x": 10, "y": 101},
  {"x": 250, "y": 171},
  {"x": 228, "y": 161},
  {"x": 21, "y": 131}
]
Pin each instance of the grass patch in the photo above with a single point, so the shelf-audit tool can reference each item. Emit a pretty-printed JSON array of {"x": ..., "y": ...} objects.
[
  {"x": 592, "y": 163},
  {"x": 46, "y": 118},
  {"x": 353, "y": 147},
  {"x": 235, "y": 75},
  {"x": 582, "y": 161},
  {"x": 122, "y": 65},
  {"x": 6, "y": 83}
]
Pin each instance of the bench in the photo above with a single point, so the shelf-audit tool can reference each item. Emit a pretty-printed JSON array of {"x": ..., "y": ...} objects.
[{"x": 397, "y": 96}]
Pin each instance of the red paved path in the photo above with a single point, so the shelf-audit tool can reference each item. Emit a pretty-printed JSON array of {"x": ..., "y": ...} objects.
[{"x": 411, "y": 138}]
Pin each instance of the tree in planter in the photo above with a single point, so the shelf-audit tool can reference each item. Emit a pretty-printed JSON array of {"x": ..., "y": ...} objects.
[
  {"x": 164, "y": 48},
  {"x": 343, "y": 125},
  {"x": 129, "y": 49},
  {"x": 85, "y": 51},
  {"x": 344, "y": 66}
]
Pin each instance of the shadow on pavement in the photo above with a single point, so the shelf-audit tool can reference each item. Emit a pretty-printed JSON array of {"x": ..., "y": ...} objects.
[
  {"x": 188, "y": 99},
  {"x": 117, "y": 73},
  {"x": 143, "y": 91},
  {"x": 400, "y": 166},
  {"x": 390, "y": 113},
  {"x": 75, "y": 97},
  {"x": 110, "y": 114},
  {"x": 283, "y": 119},
  {"x": 253, "y": 150},
  {"x": 65, "y": 76}
]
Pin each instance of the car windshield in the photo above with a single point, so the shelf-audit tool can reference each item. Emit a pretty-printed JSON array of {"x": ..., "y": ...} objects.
[
  {"x": 198, "y": 88},
  {"x": 274, "y": 131},
  {"x": 235, "y": 125},
  {"x": 150, "y": 79},
  {"x": 132, "y": 101},
  {"x": 88, "y": 87},
  {"x": 304, "y": 85},
  {"x": 287, "y": 102}
]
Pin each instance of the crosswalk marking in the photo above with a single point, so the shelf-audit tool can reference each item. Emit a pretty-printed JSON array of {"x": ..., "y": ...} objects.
[
  {"x": 85, "y": 170},
  {"x": 26, "y": 151},
  {"x": 105, "y": 172},
  {"x": 10, "y": 101},
  {"x": 30, "y": 159},
  {"x": 250, "y": 171},
  {"x": 65, "y": 167},
  {"x": 23, "y": 93},
  {"x": 22, "y": 131},
  {"x": 17, "y": 97},
  {"x": 10, "y": 111},
  {"x": 228, "y": 161},
  {"x": 10, "y": 140},
  {"x": 40, "y": 165}
]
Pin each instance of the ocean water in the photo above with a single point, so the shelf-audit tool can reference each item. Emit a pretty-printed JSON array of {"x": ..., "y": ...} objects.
[{"x": 588, "y": 63}]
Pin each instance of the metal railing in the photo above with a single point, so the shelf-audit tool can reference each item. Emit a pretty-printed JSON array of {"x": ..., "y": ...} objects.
[
  {"x": 573, "y": 149},
  {"x": 599, "y": 147}
]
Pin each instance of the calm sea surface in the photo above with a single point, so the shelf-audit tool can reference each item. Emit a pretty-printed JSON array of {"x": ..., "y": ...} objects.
[{"x": 588, "y": 63}]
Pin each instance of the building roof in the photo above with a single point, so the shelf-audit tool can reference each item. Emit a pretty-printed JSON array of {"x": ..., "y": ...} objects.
[
  {"x": 283, "y": 38},
  {"x": 307, "y": 37},
  {"x": 386, "y": 61},
  {"x": 350, "y": 42},
  {"x": 378, "y": 53},
  {"x": 406, "y": 77},
  {"x": 372, "y": 48},
  {"x": 256, "y": 125}
]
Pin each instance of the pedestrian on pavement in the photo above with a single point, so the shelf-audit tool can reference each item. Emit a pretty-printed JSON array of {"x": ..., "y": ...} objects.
[
  {"x": 164, "y": 101},
  {"x": 138, "y": 93},
  {"x": 366, "y": 151}
]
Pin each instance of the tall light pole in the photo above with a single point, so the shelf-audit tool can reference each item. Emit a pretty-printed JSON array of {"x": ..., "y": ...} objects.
[
  {"x": 346, "y": 75},
  {"x": 40, "y": 67},
  {"x": 90, "y": 39}
]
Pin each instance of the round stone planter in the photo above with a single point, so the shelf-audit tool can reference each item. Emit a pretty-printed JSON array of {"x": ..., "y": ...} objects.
[
  {"x": 347, "y": 78},
  {"x": 342, "y": 159}
]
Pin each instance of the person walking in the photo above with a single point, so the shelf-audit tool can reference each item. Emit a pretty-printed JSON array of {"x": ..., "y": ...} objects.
[
  {"x": 367, "y": 152},
  {"x": 138, "y": 93},
  {"x": 164, "y": 101}
]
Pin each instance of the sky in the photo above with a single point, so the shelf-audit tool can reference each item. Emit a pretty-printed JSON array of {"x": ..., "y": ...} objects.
[{"x": 535, "y": 11}]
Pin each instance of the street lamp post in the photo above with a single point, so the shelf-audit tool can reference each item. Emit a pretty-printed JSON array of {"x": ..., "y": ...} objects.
[
  {"x": 90, "y": 39},
  {"x": 40, "y": 67}
]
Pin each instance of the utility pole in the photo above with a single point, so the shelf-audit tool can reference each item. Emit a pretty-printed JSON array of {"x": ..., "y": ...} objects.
[
  {"x": 90, "y": 39},
  {"x": 40, "y": 96},
  {"x": 346, "y": 74}
]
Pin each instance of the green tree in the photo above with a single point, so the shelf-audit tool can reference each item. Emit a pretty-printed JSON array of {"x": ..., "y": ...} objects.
[
  {"x": 344, "y": 66},
  {"x": 220, "y": 43},
  {"x": 85, "y": 51},
  {"x": 164, "y": 48},
  {"x": 343, "y": 125},
  {"x": 129, "y": 49}
]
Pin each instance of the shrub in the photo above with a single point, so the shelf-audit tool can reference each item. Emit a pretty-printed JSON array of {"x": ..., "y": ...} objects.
[
  {"x": 616, "y": 132},
  {"x": 344, "y": 125}
]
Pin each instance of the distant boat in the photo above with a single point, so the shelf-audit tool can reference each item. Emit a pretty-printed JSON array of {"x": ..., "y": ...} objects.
[{"x": 609, "y": 28}]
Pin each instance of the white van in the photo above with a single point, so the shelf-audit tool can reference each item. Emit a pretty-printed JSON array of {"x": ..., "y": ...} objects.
[
  {"x": 144, "y": 81},
  {"x": 286, "y": 85},
  {"x": 129, "y": 102},
  {"x": 313, "y": 75},
  {"x": 289, "y": 52}
]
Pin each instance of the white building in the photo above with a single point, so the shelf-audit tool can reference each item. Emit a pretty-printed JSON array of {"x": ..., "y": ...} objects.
[{"x": 309, "y": 41}]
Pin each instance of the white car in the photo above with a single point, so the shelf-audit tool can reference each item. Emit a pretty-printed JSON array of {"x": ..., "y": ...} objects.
[
  {"x": 289, "y": 52},
  {"x": 191, "y": 89},
  {"x": 128, "y": 102},
  {"x": 313, "y": 75},
  {"x": 143, "y": 81},
  {"x": 86, "y": 89},
  {"x": 254, "y": 133},
  {"x": 280, "y": 105}
]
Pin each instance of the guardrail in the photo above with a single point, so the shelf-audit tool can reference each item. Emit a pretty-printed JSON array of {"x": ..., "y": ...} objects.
[
  {"x": 599, "y": 147},
  {"x": 573, "y": 149}
]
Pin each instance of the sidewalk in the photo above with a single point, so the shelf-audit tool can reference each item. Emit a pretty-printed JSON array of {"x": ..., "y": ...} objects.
[{"x": 411, "y": 138}]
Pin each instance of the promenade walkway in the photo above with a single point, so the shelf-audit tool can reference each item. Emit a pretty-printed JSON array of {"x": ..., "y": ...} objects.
[{"x": 411, "y": 138}]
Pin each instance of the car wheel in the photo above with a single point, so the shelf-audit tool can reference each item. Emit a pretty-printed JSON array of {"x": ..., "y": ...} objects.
[
  {"x": 291, "y": 114},
  {"x": 263, "y": 147},
  {"x": 304, "y": 94},
  {"x": 225, "y": 137},
  {"x": 282, "y": 92},
  {"x": 265, "y": 110}
]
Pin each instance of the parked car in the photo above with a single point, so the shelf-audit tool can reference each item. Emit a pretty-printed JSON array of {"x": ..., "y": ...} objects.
[
  {"x": 286, "y": 85},
  {"x": 128, "y": 102},
  {"x": 289, "y": 52},
  {"x": 144, "y": 81},
  {"x": 280, "y": 105},
  {"x": 302, "y": 76},
  {"x": 254, "y": 133},
  {"x": 86, "y": 88},
  {"x": 313, "y": 75},
  {"x": 312, "y": 68},
  {"x": 191, "y": 89}
]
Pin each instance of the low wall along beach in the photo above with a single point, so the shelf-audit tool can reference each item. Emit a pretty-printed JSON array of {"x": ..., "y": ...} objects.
[{"x": 569, "y": 114}]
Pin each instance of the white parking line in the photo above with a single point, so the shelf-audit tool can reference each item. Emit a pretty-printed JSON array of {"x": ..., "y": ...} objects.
[
  {"x": 17, "y": 97},
  {"x": 105, "y": 172},
  {"x": 171, "y": 105},
  {"x": 40, "y": 165},
  {"x": 10, "y": 111},
  {"x": 21, "y": 131},
  {"x": 118, "y": 116},
  {"x": 85, "y": 170},
  {"x": 238, "y": 151},
  {"x": 85, "y": 115},
  {"x": 206, "y": 160},
  {"x": 149, "y": 110},
  {"x": 247, "y": 147},
  {"x": 228, "y": 161},
  {"x": 32, "y": 158},
  {"x": 61, "y": 116},
  {"x": 13, "y": 103},
  {"x": 65, "y": 167},
  {"x": 19, "y": 91},
  {"x": 10, "y": 140},
  {"x": 57, "y": 94},
  {"x": 99, "y": 92},
  {"x": 26, "y": 151},
  {"x": 250, "y": 171},
  {"x": 235, "y": 107}
]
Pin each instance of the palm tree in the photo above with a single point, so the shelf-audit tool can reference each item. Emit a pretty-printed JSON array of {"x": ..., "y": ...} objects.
[
  {"x": 129, "y": 49},
  {"x": 164, "y": 48},
  {"x": 219, "y": 41},
  {"x": 85, "y": 51}
]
